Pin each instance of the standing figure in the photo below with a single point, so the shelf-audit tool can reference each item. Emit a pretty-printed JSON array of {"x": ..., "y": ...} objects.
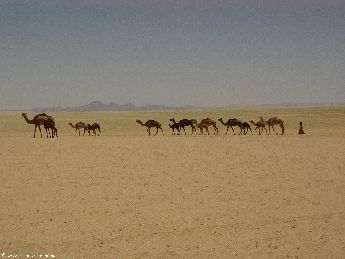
[{"x": 300, "y": 131}]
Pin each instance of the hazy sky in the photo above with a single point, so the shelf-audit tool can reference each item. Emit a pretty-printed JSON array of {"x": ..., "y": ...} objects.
[{"x": 172, "y": 52}]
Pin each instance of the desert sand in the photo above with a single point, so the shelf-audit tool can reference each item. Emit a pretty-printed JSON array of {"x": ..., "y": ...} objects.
[{"x": 127, "y": 195}]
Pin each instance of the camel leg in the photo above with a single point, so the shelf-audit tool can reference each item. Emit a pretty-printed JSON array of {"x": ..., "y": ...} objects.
[
  {"x": 156, "y": 131},
  {"x": 233, "y": 130},
  {"x": 39, "y": 127},
  {"x": 35, "y": 131},
  {"x": 282, "y": 127},
  {"x": 274, "y": 130}
]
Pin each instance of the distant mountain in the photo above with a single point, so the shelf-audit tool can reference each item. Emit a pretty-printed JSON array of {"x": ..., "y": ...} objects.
[{"x": 99, "y": 106}]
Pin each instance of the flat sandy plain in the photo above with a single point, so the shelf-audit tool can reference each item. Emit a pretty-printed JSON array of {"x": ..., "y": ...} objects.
[{"x": 127, "y": 195}]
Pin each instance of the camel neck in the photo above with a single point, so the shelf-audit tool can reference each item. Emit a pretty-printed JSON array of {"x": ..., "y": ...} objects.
[{"x": 27, "y": 120}]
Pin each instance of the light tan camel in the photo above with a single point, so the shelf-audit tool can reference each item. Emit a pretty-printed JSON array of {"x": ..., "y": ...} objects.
[
  {"x": 78, "y": 126},
  {"x": 38, "y": 120},
  {"x": 151, "y": 124},
  {"x": 202, "y": 126},
  {"x": 274, "y": 121},
  {"x": 259, "y": 125},
  {"x": 210, "y": 122}
]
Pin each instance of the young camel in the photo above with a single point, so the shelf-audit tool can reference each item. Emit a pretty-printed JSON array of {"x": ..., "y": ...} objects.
[
  {"x": 184, "y": 123},
  {"x": 175, "y": 126},
  {"x": 151, "y": 124},
  {"x": 78, "y": 126},
  {"x": 274, "y": 121},
  {"x": 93, "y": 127},
  {"x": 244, "y": 126},
  {"x": 50, "y": 125},
  {"x": 259, "y": 125},
  {"x": 210, "y": 122}
]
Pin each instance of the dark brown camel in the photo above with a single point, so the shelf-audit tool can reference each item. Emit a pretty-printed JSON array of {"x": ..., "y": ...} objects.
[
  {"x": 175, "y": 126},
  {"x": 78, "y": 126},
  {"x": 244, "y": 126},
  {"x": 94, "y": 128},
  {"x": 184, "y": 123},
  {"x": 210, "y": 122},
  {"x": 230, "y": 124},
  {"x": 38, "y": 120},
  {"x": 274, "y": 121},
  {"x": 261, "y": 126},
  {"x": 50, "y": 125},
  {"x": 151, "y": 124}
]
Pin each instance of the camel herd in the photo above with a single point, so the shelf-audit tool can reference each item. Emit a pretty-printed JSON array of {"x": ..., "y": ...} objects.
[
  {"x": 176, "y": 127},
  {"x": 204, "y": 125}
]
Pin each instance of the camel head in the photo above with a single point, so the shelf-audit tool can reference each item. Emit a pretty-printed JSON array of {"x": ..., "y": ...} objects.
[
  {"x": 26, "y": 118},
  {"x": 139, "y": 121}
]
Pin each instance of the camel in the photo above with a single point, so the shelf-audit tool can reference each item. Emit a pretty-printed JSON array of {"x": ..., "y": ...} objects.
[
  {"x": 210, "y": 122},
  {"x": 175, "y": 126},
  {"x": 93, "y": 127},
  {"x": 50, "y": 125},
  {"x": 259, "y": 125},
  {"x": 184, "y": 123},
  {"x": 151, "y": 124},
  {"x": 244, "y": 126},
  {"x": 78, "y": 126},
  {"x": 201, "y": 126},
  {"x": 230, "y": 124},
  {"x": 38, "y": 120},
  {"x": 274, "y": 121}
]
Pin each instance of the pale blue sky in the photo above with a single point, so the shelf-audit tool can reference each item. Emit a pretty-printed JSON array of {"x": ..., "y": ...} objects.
[{"x": 202, "y": 53}]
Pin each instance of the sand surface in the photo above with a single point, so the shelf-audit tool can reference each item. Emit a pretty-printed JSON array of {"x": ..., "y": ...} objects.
[{"x": 127, "y": 195}]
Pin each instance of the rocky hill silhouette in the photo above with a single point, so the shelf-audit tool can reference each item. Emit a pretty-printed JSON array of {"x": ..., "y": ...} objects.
[{"x": 99, "y": 106}]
